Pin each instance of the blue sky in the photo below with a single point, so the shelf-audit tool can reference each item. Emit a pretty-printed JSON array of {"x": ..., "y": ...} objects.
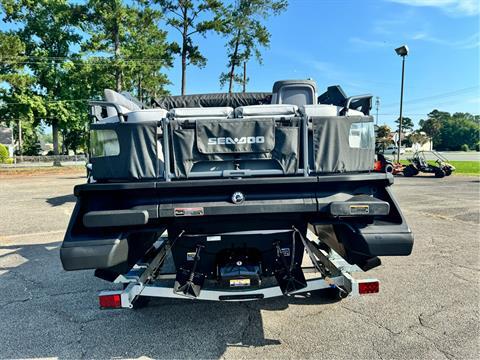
[{"x": 352, "y": 42}]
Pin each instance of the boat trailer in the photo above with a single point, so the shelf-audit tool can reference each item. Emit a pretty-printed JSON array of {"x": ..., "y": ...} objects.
[{"x": 147, "y": 280}]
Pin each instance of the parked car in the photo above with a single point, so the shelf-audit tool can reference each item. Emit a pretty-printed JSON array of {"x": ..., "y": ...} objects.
[{"x": 393, "y": 150}]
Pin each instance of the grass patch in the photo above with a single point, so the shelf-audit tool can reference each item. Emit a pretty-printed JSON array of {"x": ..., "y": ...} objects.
[{"x": 461, "y": 167}]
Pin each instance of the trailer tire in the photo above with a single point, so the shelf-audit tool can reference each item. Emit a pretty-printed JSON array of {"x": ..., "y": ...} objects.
[{"x": 447, "y": 171}]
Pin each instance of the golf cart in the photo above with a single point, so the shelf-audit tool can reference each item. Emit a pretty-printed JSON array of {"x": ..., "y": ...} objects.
[{"x": 419, "y": 163}]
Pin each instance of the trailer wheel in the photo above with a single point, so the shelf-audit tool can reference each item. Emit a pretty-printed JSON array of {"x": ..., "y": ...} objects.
[
  {"x": 447, "y": 171},
  {"x": 409, "y": 171}
]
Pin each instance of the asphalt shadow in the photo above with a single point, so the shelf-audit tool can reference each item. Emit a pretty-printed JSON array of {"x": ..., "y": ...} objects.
[
  {"x": 60, "y": 200},
  {"x": 48, "y": 312}
]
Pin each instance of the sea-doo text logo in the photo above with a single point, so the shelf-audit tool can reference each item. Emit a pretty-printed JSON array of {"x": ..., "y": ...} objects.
[{"x": 242, "y": 140}]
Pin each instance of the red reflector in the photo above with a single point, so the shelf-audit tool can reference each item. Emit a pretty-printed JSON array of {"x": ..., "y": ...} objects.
[
  {"x": 368, "y": 287},
  {"x": 110, "y": 301}
]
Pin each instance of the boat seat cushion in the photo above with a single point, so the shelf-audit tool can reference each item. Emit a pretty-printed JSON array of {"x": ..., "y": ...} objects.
[
  {"x": 326, "y": 110},
  {"x": 125, "y": 105},
  {"x": 193, "y": 113},
  {"x": 266, "y": 111},
  {"x": 146, "y": 115}
]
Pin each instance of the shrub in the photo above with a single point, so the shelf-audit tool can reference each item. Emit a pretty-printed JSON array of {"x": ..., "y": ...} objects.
[
  {"x": 464, "y": 147},
  {"x": 477, "y": 146},
  {"x": 3, "y": 153},
  {"x": 9, "y": 161}
]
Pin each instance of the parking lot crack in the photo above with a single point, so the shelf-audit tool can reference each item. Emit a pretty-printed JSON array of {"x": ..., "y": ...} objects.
[
  {"x": 371, "y": 321},
  {"x": 445, "y": 353}
]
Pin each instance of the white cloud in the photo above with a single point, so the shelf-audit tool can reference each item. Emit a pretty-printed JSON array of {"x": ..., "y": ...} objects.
[
  {"x": 452, "y": 7},
  {"x": 469, "y": 42}
]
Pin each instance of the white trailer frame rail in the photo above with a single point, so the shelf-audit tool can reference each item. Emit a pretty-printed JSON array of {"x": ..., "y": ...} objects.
[{"x": 145, "y": 280}]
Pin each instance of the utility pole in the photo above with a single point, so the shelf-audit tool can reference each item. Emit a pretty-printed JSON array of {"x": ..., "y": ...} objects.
[{"x": 377, "y": 105}]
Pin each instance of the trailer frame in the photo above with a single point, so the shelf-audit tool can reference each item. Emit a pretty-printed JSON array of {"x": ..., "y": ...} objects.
[{"x": 145, "y": 280}]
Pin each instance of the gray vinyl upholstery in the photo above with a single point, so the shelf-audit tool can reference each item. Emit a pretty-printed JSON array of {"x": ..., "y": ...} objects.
[
  {"x": 266, "y": 111},
  {"x": 326, "y": 110},
  {"x": 156, "y": 114},
  {"x": 119, "y": 99},
  {"x": 201, "y": 113},
  {"x": 298, "y": 92}
]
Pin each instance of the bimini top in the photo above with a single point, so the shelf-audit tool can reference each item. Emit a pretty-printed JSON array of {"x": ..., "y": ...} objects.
[{"x": 232, "y": 100}]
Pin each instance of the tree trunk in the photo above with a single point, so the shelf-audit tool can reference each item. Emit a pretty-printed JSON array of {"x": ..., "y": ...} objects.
[
  {"x": 234, "y": 61},
  {"x": 118, "y": 71},
  {"x": 55, "y": 137},
  {"x": 184, "y": 49},
  {"x": 20, "y": 140},
  {"x": 244, "y": 76},
  {"x": 184, "y": 66},
  {"x": 55, "y": 142},
  {"x": 139, "y": 89}
]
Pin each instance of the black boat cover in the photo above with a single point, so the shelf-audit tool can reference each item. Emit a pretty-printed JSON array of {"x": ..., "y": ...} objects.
[{"x": 213, "y": 100}]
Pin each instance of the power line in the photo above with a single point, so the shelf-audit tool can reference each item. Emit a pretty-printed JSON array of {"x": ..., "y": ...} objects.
[
  {"x": 438, "y": 96},
  {"x": 48, "y": 102}
]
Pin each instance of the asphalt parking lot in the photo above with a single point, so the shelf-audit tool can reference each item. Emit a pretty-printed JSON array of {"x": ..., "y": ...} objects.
[{"x": 428, "y": 306}]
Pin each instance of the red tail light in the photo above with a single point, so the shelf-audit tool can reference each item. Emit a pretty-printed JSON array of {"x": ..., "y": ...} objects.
[
  {"x": 112, "y": 301},
  {"x": 368, "y": 287}
]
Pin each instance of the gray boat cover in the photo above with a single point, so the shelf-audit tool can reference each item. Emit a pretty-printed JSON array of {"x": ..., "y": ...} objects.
[
  {"x": 137, "y": 158},
  {"x": 213, "y": 100},
  {"x": 215, "y": 145},
  {"x": 343, "y": 143}
]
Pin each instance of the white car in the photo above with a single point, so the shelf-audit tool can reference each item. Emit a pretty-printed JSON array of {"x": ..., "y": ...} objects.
[{"x": 393, "y": 150}]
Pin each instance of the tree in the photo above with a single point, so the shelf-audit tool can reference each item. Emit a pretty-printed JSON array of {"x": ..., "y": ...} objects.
[
  {"x": 147, "y": 53},
  {"x": 407, "y": 124},
  {"x": 417, "y": 137},
  {"x": 432, "y": 126},
  {"x": 19, "y": 105},
  {"x": 184, "y": 16},
  {"x": 48, "y": 36},
  {"x": 383, "y": 137},
  {"x": 106, "y": 23},
  {"x": 242, "y": 25},
  {"x": 450, "y": 132}
]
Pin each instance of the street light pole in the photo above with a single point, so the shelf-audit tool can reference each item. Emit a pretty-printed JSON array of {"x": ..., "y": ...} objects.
[
  {"x": 401, "y": 51},
  {"x": 401, "y": 111},
  {"x": 377, "y": 105}
]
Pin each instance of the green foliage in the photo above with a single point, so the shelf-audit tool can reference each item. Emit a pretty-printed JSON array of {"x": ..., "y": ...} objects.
[
  {"x": 183, "y": 16},
  {"x": 477, "y": 146},
  {"x": 407, "y": 124},
  {"x": 242, "y": 25},
  {"x": 47, "y": 37},
  {"x": 383, "y": 138},
  {"x": 417, "y": 137},
  {"x": 3, "y": 153},
  {"x": 450, "y": 132},
  {"x": 465, "y": 147}
]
